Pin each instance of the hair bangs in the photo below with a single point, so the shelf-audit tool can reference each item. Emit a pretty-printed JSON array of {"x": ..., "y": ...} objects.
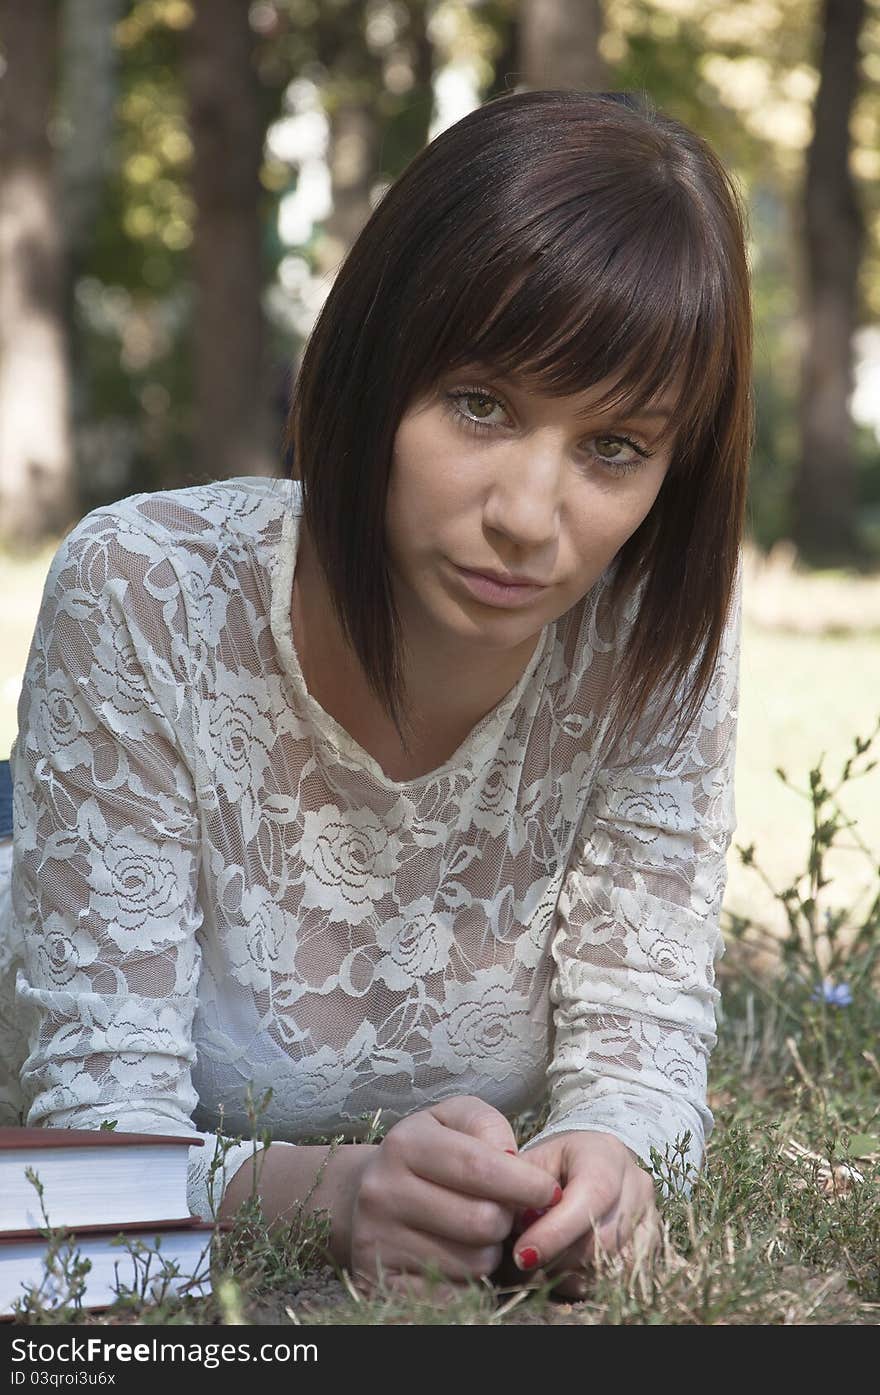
[{"x": 636, "y": 312}]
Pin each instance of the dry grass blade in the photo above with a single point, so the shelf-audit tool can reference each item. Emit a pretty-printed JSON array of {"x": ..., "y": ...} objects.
[
  {"x": 347, "y": 1281},
  {"x": 509, "y": 1306},
  {"x": 832, "y": 1180}
]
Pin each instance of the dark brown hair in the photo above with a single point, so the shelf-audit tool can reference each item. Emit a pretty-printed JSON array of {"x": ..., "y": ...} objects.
[{"x": 562, "y": 238}]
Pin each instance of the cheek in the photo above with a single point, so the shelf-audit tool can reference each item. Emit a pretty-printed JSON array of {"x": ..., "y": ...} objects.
[
  {"x": 429, "y": 489},
  {"x": 631, "y": 507},
  {"x": 414, "y": 466},
  {"x": 416, "y": 503},
  {"x": 608, "y": 521},
  {"x": 403, "y": 485}
]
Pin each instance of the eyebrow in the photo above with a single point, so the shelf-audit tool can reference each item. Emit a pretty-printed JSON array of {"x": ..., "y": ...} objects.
[
  {"x": 661, "y": 412},
  {"x": 624, "y": 415},
  {"x": 658, "y": 413}
]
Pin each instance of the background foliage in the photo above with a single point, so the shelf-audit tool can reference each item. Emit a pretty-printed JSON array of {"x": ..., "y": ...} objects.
[{"x": 345, "y": 94}]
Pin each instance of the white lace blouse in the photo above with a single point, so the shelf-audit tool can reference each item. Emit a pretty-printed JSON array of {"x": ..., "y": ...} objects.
[{"x": 215, "y": 888}]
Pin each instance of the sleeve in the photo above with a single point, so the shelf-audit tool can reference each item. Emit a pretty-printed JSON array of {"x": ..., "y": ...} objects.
[
  {"x": 637, "y": 935},
  {"x": 106, "y": 859}
]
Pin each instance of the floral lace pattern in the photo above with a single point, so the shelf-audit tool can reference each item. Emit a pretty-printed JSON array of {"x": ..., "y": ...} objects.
[{"x": 216, "y": 889}]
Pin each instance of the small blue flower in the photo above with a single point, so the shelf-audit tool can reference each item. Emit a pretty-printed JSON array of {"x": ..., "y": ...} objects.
[{"x": 837, "y": 994}]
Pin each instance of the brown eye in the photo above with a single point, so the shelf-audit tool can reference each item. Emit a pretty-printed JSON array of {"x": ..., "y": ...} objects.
[
  {"x": 614, "y": 441},
  {"x": 619, "y": 464},
  {"x": 473, "y": 408}
]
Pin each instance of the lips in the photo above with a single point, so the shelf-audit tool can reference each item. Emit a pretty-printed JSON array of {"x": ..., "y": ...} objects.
[
  {"x": 504, "y": 579},
  {"x": 499, "y": 594}
]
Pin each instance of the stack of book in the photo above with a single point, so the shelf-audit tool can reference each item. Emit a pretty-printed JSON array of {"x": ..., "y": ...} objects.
[{"x": 120, "y": 1200}]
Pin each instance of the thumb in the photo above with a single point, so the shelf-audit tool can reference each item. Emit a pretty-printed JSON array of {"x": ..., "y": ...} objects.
[{"x": 471, "y": 1115}]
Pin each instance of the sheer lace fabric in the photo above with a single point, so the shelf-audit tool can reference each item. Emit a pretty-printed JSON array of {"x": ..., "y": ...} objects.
[{"x": 214, "y": 888}]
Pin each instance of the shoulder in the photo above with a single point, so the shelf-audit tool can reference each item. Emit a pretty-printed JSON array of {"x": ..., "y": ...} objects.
[
  {"x": 193, "y": 519},
  {"x": 158, "y": 560},
  {"x": 156, "y": 541}
]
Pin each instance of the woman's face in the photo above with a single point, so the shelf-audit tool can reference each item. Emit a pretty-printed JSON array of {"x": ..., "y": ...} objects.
[{"x": 489, "y": 477}]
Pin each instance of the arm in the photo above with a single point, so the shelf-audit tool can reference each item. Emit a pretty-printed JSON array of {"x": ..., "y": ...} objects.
[
  {"x": 107, "y": 849},
  {"x": 287, "y": 1176},
  {"x": 635, "y": 946},
  {"x": 638, "y": 933},
  {"x": 439, "y": 1191}
]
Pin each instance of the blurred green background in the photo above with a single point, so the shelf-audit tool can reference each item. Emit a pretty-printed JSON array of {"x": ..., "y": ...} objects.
[{"x": 181, "y": 179}]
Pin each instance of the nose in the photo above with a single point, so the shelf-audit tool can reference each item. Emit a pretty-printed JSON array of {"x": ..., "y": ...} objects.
[{"x": 525, "y": 493}]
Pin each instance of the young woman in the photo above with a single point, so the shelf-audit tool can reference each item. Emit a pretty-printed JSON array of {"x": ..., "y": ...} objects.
[{"x": 407, "y": 784}]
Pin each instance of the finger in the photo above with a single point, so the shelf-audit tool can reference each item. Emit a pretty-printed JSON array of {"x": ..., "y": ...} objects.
[
  {"x": 599, "y": 1215},
  {"x": 570, "y": 1274},
  {"x": 573, "y": 1273},
  {"x": 615, "y": 1234},
  {"x": 563, "y": 1228},
  {"x": 630, "y": 1234},
  {"x": 466, "y": 1164},
  {"x": 641, "y": 1251},
  {"x": 573, "y": 1261},
  {"x": 469, "y": 1220},
  {"x": 470, "y": 1115}
]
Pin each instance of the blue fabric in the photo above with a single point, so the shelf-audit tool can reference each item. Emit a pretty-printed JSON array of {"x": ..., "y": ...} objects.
[{"x": 5, "y": 800}]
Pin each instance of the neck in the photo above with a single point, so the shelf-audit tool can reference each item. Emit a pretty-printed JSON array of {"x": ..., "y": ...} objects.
[{"x": 446, "y": 694}]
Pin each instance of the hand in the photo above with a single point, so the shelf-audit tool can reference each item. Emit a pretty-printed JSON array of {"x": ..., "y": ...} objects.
[
  {"x": 441, "y": 1190},
  {"x": 606, "y": 1195}
]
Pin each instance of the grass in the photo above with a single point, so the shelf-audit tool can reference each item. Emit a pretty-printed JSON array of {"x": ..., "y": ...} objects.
[
  {"x": 783, "y": 1224},
  {"x": 769, "y": 1235},
  {"x": 801, "y": 695}
]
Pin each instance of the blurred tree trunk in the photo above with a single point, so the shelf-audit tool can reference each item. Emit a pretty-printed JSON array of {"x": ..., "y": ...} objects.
[
  {"x": 350, "y": 101},
  {"x": 505, "y": 18},
  {"x": 36, "y": 477},
  {"x": 559, "y": 44},
  {"x": 231, "y": 391},
  {"x": 825, "y": 489},
  {"x": 421, "y": 54},
  {"x": 352, "y": 153},
  {"x": 88, "y": 99},
  {"x": 358, "y": 104},
  {"x": 88, "y": 91}
]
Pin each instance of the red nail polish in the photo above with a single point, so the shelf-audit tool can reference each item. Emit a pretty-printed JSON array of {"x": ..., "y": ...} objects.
[
  {"x": 532, "y": 1214},
  {"x": 527, "y": 1258},
  {"x": 557, "y": 1196}
]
